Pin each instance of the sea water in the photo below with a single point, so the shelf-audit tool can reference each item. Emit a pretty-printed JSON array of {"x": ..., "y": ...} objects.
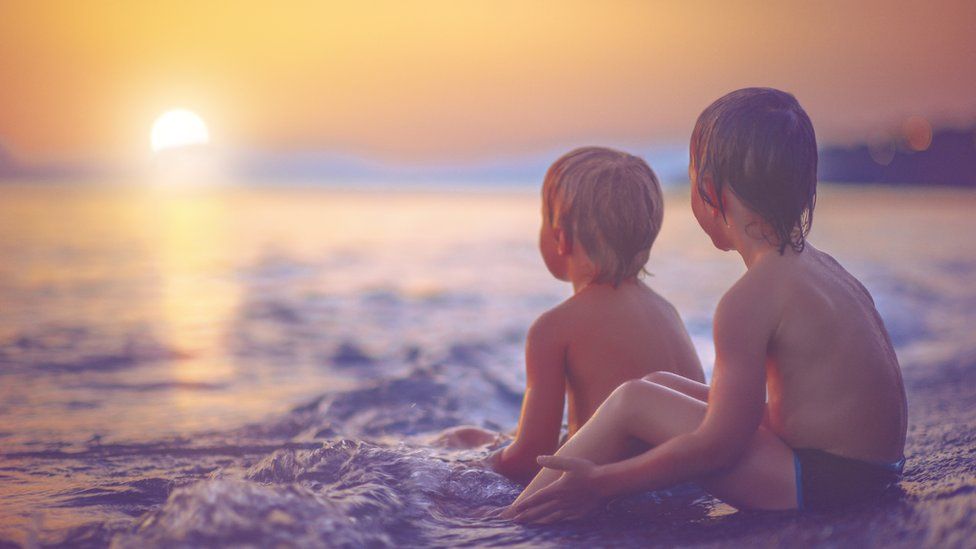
[{"x": 267, "y": 366}]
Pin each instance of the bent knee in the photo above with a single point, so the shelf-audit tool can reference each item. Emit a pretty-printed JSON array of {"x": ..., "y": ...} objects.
[
  {"x": 661, "y": 377},
  {"x": 632, "y": 401},
  {"x": 630, "y": 392},
  {"x": 622, "y": 402}
]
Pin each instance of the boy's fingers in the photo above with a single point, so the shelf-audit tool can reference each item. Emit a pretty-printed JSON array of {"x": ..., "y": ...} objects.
[
  {"x": 552, "y": 518},
  {"x": 542, "y": 496},
  {"x": 561, "y": 463},
  {"x": 538, "y": 512},
  {"x": 496, "y": 513}
]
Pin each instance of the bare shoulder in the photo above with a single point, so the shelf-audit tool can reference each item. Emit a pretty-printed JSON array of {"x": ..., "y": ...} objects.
[
  {"x": 574, "y": 310},
  {"x": 830, "y": 263},
  {"x": 754, "y": 300},
  {"x": 552, "y": 327},
  {"x": 752, "y": 290}
]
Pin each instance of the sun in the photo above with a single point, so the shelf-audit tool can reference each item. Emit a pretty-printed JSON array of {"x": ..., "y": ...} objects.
[{"x": 178, "y": 128}]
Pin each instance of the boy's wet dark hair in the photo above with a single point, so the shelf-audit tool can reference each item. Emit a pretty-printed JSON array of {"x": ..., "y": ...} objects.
[
  {"x": 611, "y": 203},
  {"x": 760, "y": 142}
]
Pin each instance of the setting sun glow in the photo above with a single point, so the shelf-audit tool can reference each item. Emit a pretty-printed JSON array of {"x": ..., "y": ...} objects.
[{"x": 178, "y": 128}]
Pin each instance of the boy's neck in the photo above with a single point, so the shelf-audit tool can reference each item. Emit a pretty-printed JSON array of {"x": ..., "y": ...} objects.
[
  {"x": 747, "y": 234},
  {"x": 579, "y": 286},
  {"x": 580, "y": 271},
  {"x": 753, "y": 250}
]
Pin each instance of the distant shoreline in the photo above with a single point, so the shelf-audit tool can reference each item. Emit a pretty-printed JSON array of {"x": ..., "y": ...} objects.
[{"x": 948, "y": 159}]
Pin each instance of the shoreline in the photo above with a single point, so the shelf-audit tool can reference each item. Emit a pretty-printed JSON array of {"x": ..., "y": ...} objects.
[{"x": 933, "y": 506}]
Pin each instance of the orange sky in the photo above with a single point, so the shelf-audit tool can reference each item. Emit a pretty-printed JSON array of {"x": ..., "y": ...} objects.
[{"x": 437, "y": 81}]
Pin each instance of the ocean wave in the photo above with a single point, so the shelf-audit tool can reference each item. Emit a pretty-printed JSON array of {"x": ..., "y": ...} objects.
[
  {"x": 347, "y": 493},
  {"x": 72, "y": 349}
]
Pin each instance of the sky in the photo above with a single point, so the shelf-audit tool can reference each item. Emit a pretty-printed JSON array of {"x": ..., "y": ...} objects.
[{"x": 439, "y": 81}]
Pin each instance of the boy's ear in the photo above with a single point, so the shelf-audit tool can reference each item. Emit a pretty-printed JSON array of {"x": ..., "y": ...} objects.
[
  {"x": 564, "y": 242},
  {"x": 714, "y": 199}
]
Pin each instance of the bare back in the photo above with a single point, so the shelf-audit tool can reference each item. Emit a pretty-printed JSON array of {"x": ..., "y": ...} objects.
[
  {"x": 615, "y": 335},
  {"x": 833, "y": 379}
]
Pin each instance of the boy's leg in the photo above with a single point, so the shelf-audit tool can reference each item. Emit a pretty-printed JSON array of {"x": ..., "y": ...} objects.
[
  {"x": 681, "y": 384},
  {"x": 764, "y": 477}
]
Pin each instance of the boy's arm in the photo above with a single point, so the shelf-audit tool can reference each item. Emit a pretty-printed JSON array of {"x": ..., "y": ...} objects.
[
  {"x": 736, "y": 403},
  {"x": 542, "y": 405}
]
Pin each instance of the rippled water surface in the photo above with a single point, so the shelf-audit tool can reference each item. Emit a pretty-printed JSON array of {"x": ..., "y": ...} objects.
[{"x": 267, "y": 365}]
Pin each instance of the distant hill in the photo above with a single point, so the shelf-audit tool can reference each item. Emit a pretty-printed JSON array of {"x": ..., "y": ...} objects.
[
  {"x": 11, "y": 169},
  {"x": 950, "y": 159}
]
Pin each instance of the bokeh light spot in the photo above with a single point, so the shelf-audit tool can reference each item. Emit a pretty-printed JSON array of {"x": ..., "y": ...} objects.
[{"x": 918, "y": 133}]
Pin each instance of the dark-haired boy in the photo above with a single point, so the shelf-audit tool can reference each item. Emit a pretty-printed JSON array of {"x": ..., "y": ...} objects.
[{"x": 796, "y": 327}]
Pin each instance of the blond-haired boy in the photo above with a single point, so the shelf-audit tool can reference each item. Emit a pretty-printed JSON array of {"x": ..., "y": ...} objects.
[{"x": 602, "y": 209}]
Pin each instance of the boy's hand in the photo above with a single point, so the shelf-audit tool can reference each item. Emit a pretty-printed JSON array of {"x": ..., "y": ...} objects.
[{"x": 573, "y": 496}]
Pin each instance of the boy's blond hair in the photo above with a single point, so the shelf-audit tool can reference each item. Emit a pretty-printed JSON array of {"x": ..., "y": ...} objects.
[{"x": 609, "y": 202}]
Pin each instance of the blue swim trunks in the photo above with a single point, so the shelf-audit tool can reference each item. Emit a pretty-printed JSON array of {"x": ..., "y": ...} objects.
[{"x": 828, "y": 481}]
